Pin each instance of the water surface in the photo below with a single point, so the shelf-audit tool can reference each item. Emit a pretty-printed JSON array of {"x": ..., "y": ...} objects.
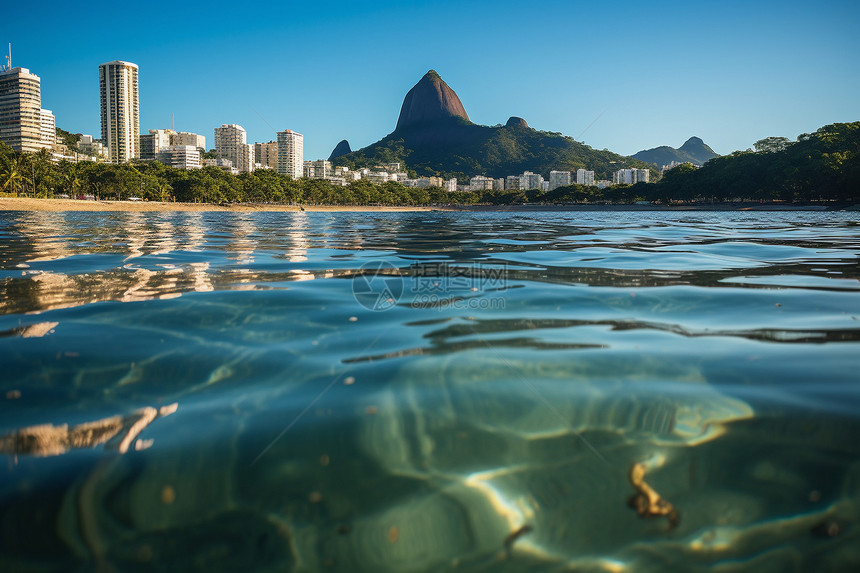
[{"x": 429, "y": 391}]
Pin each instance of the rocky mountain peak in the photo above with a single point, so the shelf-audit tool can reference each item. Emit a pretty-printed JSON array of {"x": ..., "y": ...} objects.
[
  {"x": 341, "y": 148},
  {"x": 430, "y": 100}
]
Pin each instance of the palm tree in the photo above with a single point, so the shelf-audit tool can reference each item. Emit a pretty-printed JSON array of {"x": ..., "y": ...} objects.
[
  {"x": 12, "y": 176},
  {"x": 71, "y": 177}
]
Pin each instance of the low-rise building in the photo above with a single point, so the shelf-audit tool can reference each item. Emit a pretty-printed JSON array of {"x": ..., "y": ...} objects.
[
  {"x": 180, "y": 156},
  {"x": 221, "y": 163},
  {"x": 377, "y": 177},
  {"x": 186, "y": 138},
  {"x": 154, "y": 141},
  {"x": 92, "y": 147}
]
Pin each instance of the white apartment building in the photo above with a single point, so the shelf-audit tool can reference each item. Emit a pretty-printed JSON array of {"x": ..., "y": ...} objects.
[
  {"x": 221, "y": 163},
  {"x": 529, "y": 180},
  {"x": 584, "y": 177},
  {"x": 559, "y": 179},
  {"x": 450, "y": 185},
  {"x": 92, "y": 147},
  {"x": 266, "y": 154},
  {"x": 291, "y": 149},
  {"x": 180, "y": 156},
  {"x": 481, "y": 183},
  {"x": 630, "y": 176},
  {"x": 120, "y": 110},
  {"x": 512, "y": 183},
  {"x": 47, "y": 128},
  {"x": 21, "y": 110},
  {"x": 231, "y": 144},
  {"x": 319, "y": 169},
  {"x": 376, "y": 177}
]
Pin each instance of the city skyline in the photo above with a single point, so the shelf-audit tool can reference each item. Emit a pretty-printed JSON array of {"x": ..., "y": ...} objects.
[{"x": 625, "y": 77}]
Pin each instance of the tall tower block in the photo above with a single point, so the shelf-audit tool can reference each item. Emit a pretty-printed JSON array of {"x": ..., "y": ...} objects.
[{"x": 120, "y": 110}]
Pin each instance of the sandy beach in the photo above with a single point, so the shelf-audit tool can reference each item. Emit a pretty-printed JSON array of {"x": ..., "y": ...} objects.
[{"x": 31, "y": 204}]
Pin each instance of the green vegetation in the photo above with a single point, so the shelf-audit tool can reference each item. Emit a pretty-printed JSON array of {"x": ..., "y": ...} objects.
[
  {"x": 822, "y": 166},
  {"x": 35, "y": 175},
  {"x": 458, "y": 148},
  {"x": 68, "y": 139}
]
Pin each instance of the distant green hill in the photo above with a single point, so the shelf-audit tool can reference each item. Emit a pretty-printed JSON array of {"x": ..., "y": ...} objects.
[
  {"x": 824, "y": 165},
  {"x": 434, "y": 136},
  {"x": 693, "y": 151}
]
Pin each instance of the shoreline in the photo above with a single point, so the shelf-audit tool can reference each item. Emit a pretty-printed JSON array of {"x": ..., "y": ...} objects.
[{"x": 62, "y": 205}]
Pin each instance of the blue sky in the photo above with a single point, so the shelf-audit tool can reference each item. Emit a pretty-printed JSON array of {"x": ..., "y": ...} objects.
[{"x": 649, "y": 73}]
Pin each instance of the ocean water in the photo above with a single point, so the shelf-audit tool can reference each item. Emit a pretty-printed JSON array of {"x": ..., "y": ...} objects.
[{"x": 581, "y": 391}]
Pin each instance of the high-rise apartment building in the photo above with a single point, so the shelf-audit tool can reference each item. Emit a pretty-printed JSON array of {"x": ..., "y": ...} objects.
[
  {"x": 630, "y": 176},
  {"x": 231, "y": 144},
  {"x": 21, "y": 110},
  {"x": 120, "y": 107},
  {"x": 584, "y": 177},
  {"x": 266, "y": 154},
  {"x": 47, "y": 128},
  {"x": 529, "y": 180},
  {"x": 481, "y": 183},
  {"x": 291, "y": 149},
  {"x": 559, "y": 179}
]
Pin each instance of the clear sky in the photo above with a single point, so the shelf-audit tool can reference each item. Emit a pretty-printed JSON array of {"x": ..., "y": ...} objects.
[{"x": 622, "y": 75}]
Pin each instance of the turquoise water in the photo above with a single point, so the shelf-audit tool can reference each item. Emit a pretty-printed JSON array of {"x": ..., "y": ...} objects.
[{"x": 430, "y": 391}]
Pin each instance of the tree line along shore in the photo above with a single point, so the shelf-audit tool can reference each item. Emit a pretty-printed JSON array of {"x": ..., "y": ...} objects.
[{"x": 823, "y": 166}]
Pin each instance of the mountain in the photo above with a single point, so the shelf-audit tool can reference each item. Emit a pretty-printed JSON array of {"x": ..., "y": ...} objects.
[
  {"x": 434, "y": 135},
  {"x": 341, "y": 148},
  {"x": 694, "y": 150},
  {"x": 431, "y": 100},
  {"x": 800, "y": 171}
]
